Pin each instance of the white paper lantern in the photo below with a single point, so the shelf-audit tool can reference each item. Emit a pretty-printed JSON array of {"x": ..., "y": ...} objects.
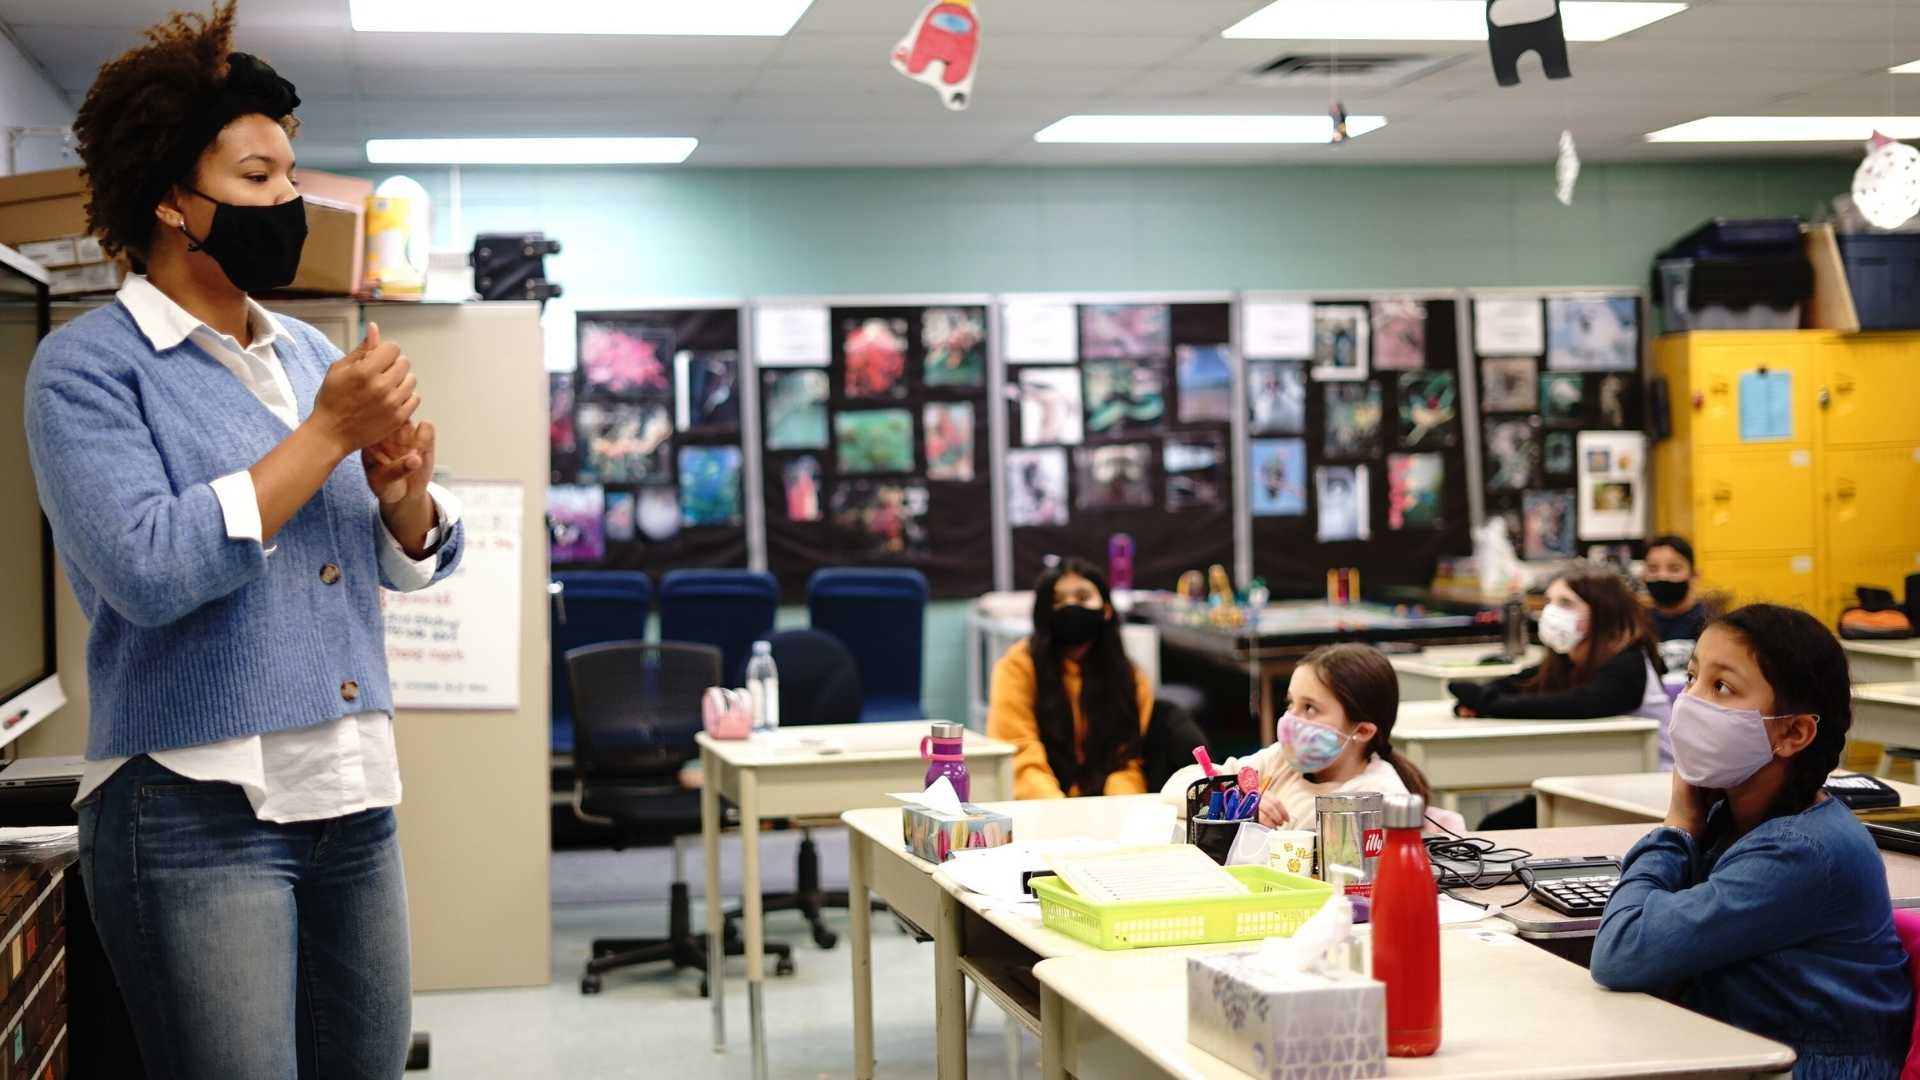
[{"x": 1886, "y": 187}]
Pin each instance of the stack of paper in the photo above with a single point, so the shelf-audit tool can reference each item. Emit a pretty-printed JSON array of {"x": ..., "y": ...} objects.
[{"x": 1166, "y": 872}]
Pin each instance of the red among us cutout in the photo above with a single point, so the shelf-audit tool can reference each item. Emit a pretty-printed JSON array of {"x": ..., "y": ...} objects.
[{"x": 940, "y": 50}]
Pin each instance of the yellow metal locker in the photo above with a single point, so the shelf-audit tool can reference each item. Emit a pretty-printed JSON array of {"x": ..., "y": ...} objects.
[
  {"x": 1714, "y": 369},
  {"x": 1872, "y": 387},
  {"x": 1753, "y": 500},
  {"x": 1786, "y": 578}
]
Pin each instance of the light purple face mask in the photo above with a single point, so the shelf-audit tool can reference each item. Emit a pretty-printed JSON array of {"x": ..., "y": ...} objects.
[{"x": 1718, "y": 747}]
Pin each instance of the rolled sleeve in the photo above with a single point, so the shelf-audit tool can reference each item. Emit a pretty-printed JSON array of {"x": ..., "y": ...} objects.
[
  {"x": 402, "y": 572},
  {"x": 240, "y": 506}
]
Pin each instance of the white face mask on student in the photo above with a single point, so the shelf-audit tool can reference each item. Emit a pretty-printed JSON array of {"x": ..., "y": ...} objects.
[{"x": 1560, "y": 629}]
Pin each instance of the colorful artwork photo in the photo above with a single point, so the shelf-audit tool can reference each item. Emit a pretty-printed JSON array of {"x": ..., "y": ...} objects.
[
  {"x": 621, "y": 519},
  {"x": 1563, "y": 397},
  {"x": 709, "y": 485},
  {"x": 623, "y": 360},
  {"x": 1278, "y": 470},
  {"x": 801, "y": 481},
  {"x": 1600, "y": 333},
  {"x": 576, "y": 523},
  {"x": 1341, "y": 333},
  {"x": 1510, "y": 384},
  {"x": 1204, "y": 375},
  {"x": 1113, "y": 477},
  {"x": 625, "y": 443},
  {"x": 876, "y": 358},
  {"x": 1342, "y": 495},
  {"x": 874, "y": 441},
  {"x": 706, "y": 390},
  {"x": 659, "y": 514},
  {"x": 955, "y": 342},
  {"x": 1050, "y": 407},
  {"x": 1416, "y": 486},
  {"x": 1513, "y": 454},
  {"x": 1036, "y": 487},
  {"x": 1399, "y": 335},
  {"x": 1619, "y": 402},
  {"x": 1124, "y": 396},
  {"x": 1429, "y": 410},
  {"x": 1126, "y": 331},
  {"x": 560, "y": 433},
  {"x": 1353, "y": 419},
  {"x": 1196, "y": 468},
  {"x": 1548, "y": 525},
  {"x": 1277, "y": 398},
  {"x": 884, "y": 520},
  {"x": 1558, "y": 453},
  {"x": 797, "y": 409},
  {"x": 949, "y": 435}
]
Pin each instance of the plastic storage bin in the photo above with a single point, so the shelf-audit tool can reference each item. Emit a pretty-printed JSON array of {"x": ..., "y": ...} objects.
[
  {"x": 1757, "y": 293},
  {"x": 1277, "y": 906},
  {"x": 1883, "y": 272}
]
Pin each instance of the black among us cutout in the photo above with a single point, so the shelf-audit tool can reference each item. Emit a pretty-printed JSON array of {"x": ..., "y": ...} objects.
[{"x": 1518, "y": 27}]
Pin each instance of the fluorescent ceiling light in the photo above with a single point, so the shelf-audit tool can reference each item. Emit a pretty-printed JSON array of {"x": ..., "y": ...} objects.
[
  {"x": 731, "y": 18},
  {"x": 1432, "y": 20},
  {"x": 596, "y": 151},
  {"x": 1710, "y": 129},
  {"x": 1905, "y": 69},
  {"x": 1089, "y": 128}
]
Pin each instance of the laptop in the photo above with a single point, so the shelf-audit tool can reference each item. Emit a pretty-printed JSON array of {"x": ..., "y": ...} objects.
[
  {"x": 42, "y": 772},
  {"x": 1895, "y": 829}
]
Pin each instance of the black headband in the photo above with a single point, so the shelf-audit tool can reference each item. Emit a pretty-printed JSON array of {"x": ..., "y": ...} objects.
[{"x": 252, "y": 86}]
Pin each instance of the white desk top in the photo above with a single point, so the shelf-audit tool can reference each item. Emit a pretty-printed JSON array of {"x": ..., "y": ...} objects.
[
  {"x": 1905, "y": 650},
  {"x": 1509, "y": 1011},
  {"x": 1434, "y": 721},
  {"x": 1461, "y": 662},
  {"x": 1889, "y": 693},
  {"x": 825, "y": 744},
  {"x": 1647, "y": 794}
]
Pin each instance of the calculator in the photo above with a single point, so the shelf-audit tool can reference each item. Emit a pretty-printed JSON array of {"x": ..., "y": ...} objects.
[{"x": 1578, "y": 888}]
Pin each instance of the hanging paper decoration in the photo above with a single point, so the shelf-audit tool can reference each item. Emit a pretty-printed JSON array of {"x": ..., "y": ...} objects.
[
  {"x": 1518, "y": 27},
  {"x": 1339, "y": 115},
  {"x": 1886, "y": 187},
  {"x": 1566, "y": 171},
  {"x": 948, "y": 34}
]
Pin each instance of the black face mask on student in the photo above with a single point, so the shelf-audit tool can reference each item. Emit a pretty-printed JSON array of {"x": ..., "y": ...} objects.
[
  {"x": 1076, "y": 625},
  {"x": 257, "y": 247},
  {"x": 1667, "y": 593}
]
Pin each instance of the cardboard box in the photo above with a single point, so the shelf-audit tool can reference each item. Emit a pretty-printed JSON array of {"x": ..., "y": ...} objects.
[
  {"x": 1286, "y": 1027},
  {"x": 102, "y": 277},
  {"x": 50, "y": 253},
  {"x": 42, "y": 206},
  {"x": 935, "y": 835},
  {"x": 330, "y": 263}
]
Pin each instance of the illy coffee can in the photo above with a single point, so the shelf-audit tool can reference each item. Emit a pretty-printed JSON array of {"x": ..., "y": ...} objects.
[{"x": 1352, "y": 835}]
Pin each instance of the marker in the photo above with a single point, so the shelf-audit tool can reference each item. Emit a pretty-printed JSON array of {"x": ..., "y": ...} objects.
[
  {"x": 1251, "y": 806},
  {"x": 1206, "y": 762},
  {"x": 1216, "y": 807}
]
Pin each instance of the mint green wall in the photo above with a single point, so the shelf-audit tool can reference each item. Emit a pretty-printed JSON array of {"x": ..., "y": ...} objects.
[{"x": 765, "y": 232}]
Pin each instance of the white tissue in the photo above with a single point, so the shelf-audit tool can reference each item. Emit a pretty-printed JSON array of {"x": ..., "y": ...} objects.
[
  {"x": 1317, "y": 948},
  {"x": 941, "y": 798}
]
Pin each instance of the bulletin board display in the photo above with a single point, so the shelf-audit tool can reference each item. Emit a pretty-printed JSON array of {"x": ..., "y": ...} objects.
[
  {"x": 645, "y": 442},
  {"x": 1563, "y": 443},
  {"x": 874, "y": 445},
  {"x": 1355, "y": 443},
  {"x": 1120, "y": 419}
]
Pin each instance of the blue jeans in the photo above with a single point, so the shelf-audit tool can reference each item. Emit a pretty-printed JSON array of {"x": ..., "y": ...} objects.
[{"x": 247, "y": 949}]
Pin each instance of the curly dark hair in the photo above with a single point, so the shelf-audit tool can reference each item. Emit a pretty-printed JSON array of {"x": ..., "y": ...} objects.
[{"x": 137, "y": 113}]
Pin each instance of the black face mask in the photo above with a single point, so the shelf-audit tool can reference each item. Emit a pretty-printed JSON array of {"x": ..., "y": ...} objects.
[
  {"x": 257, "y": 247},
  {"x": 1667, "y": 593},
  {"x": 1078, "y": 625}
]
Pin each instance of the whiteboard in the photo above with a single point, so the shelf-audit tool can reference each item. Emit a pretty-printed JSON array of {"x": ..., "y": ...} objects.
[{"x": 456, "y": 644}]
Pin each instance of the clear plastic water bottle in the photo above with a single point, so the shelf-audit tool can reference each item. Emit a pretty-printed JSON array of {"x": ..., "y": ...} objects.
[{"x": 763, "y": 685}]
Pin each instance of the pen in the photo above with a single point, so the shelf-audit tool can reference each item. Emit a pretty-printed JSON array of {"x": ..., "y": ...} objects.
[
  {"x": 1251, "y": 806},
  {"x": 1233, "y": 806},
  {"x": 1216, "y": 807},
  {"x": 1206, "y": 761}
]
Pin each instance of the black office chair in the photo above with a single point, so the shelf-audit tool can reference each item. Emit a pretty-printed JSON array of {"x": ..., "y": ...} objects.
[
  {"x": 636, "y": 709},
  {"x": 1172, "y": 733}
]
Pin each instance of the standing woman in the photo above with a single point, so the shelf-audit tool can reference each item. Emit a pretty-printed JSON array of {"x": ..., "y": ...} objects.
[{"x": 228, "y": 495}]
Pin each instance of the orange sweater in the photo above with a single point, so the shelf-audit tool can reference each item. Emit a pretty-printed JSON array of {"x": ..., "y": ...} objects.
[{"x": 1010, "y": 718}]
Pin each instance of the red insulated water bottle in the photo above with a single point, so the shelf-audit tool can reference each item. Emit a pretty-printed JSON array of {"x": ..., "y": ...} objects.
[{"x": 1406, "y": 932}]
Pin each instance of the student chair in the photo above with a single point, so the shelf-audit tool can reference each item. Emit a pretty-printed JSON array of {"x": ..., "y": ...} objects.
[
  {"x": 880, "y": 616},
  {"x": 1906, "y": 925},
  {"x": 636, "y": 712},
  {"x": 728, "y": 609},
  {"x": 587, "y": 607}
]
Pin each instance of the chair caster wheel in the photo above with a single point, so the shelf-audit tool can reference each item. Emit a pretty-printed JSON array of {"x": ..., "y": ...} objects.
[
  {"x": 824, "y": 937},
  {"x": 783, "y": 967},
  {"x": 590, "y": 984}
]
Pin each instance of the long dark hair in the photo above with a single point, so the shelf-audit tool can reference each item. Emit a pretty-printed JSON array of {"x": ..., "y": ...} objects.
[
  {"x": 1616, "y": 615},
  {"x": 1807, "y": 669},
  {"x": 1109, "y": 692},
  {"x": 1367, "y": 689}
]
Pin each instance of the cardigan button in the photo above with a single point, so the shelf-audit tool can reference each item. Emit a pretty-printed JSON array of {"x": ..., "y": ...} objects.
[
  {"x": 329, "y": 574},
  {"x": 349, "y": 690}
]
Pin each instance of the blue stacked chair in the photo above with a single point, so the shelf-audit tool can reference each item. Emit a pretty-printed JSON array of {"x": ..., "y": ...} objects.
[
  {"x": 728, "y": 609},
  {"x": 880, "y": 616},
  {"x": 590, "y": 607}
]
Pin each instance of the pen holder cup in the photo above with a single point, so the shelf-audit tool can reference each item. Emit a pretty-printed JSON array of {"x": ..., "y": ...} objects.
[
  {"x": 1215, "y": 837},
  {"x": 1198, "y": 794}
]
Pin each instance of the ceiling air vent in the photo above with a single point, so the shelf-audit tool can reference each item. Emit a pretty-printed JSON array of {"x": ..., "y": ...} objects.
[{"x": 1351, "y": 69}]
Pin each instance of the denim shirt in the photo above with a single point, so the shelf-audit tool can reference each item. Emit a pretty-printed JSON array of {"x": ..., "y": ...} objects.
[{"x": 1786, "y": 932}]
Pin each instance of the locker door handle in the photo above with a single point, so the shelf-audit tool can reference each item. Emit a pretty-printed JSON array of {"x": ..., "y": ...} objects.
[
  {"x": 1843, "y": 384},
  {"x": 1722, "y": 494},
  {"x": 1845, "y": 489},
  {"x": 1826, "y": 397}
]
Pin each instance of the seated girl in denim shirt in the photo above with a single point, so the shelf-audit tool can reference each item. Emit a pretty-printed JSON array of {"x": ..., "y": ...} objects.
[{"x": 1763, "y": 902}]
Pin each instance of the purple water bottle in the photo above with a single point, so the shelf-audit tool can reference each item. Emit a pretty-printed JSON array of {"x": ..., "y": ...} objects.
[
  {"x": 1120, "y": 562},
  {"x": 942, "y": 751}
]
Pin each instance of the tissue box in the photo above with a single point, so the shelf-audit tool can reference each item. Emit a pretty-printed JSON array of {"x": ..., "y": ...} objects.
[
  {"x": 934, "y": 835},
  {"x": 1285, "y": 1027}
]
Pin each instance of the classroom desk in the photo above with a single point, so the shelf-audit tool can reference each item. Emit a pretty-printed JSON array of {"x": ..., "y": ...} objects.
[
  {"x": 1424, "y": 675},
  {"x": 819, "y": 771},
  {"x": 1887, "y": 713},
  {"x": 1460, "y": 754},
  {"x": 1507, "y": 1011},
  {"x": 1626, "y": 799},
  {"x": 1286, "y": 631},
  {"x": 1883, "y": 661}
]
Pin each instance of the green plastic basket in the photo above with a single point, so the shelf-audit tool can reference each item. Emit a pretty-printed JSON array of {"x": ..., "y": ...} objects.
[{"x": 1278, "y": 903}]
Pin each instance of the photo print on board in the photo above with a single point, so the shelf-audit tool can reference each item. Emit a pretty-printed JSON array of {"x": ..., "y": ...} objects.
[
  {"x": 1619, "y": 404},
  {"x": 1548, "y": 525},
  {"x": 659, "y": 514},
  {"x": 1036, "y": 487},
  {"x": 1277, "y": 398},
  {"x": 1513, "y": 453},
  {"x": 621, "y": 360},
  {"x": 1278, "y": 472},
  {"x": 887, "y": 520},
  {"x": 706, "y": 390},
  {"x": 560, "y": 432},
  {"x": 949, "y": 436},
  {"x": 1204, "y": 374},
  {"x": 1509, "y": 384},
  {"x": 1341, "y": 333},
  {"x": 1341, "y": 494},
  {"x": 1429, "y": 410},
  {"x": 1593, "y": 333},
  {"x": 1399, "y": 335},
  {"x": 621, "y": 517},
  {"x": 1126, "y": 331},
  {"x": 1563, "y": 398},
  {"x": 1196, "y": 471},
  {"x": 873, "y": 441},
  {"x": 955, "y": 342},
  {"x": 709, "y": 485},
  {"x": 797, "y": 409},
  {"x": 1124, "y": 396},
  {"x": 625, "y": 443},
  {"x": 1114, "y": 477},
  {"x": 876, "y": 357},
  {"x": 800, "y": 479},
  {"x": 576, "y": 523},
  {"x": 1558, "y": 453},
  {"x": 1416, "y": 486},
  {"x": 1050, "y": 406},
  {"x": 1353, "y": 419}
]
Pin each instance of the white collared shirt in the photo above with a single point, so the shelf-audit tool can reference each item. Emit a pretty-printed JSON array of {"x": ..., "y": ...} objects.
[{"x": 325, "y": 770}]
